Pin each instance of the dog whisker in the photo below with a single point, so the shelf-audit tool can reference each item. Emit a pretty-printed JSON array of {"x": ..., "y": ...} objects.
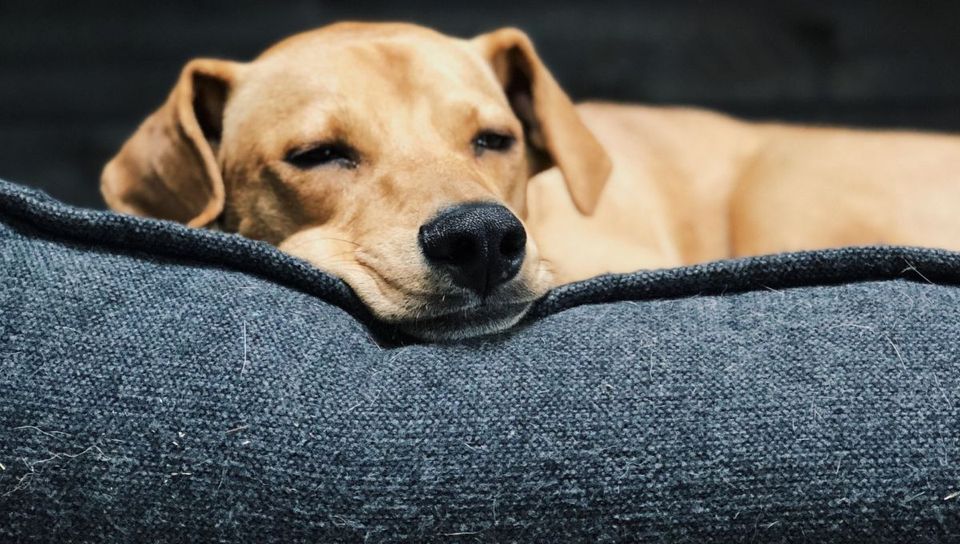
[
  {"x": 309, "y": 241},
  {"x": 328, "y": 238},
  {"x": 337, "y": 257}
]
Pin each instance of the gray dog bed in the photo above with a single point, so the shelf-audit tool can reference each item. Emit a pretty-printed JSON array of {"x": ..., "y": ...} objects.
[{"x": 165, "y": 384}]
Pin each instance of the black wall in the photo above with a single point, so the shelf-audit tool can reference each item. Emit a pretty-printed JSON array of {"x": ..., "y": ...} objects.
[{"x": 76, "y": 78}]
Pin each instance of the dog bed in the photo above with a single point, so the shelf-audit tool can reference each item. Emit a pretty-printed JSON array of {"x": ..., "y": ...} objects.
[{"x": 165, "y": 384}]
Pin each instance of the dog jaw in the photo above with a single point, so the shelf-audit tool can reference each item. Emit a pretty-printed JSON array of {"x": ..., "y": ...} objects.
[{"x": 394, "y": 283}]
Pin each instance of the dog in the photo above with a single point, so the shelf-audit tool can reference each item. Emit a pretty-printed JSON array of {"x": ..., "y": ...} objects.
[{"x": 451, "y": 182}]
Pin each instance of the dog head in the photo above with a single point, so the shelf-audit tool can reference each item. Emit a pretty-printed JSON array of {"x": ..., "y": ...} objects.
[{"x": 389, "y": 155}]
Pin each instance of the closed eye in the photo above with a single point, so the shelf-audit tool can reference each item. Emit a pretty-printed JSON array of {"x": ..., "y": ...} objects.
[
  {"x": 491, "y": 140},
  {"x": 324, "y": 154}
]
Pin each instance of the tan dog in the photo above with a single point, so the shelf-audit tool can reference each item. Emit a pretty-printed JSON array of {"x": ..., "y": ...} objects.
[{"x": 400, "y": 160}]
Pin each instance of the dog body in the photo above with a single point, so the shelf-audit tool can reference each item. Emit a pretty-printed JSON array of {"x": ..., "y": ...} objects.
[
  {"x": 689, "y": 186},
  {"x": 452, "y": 182}
]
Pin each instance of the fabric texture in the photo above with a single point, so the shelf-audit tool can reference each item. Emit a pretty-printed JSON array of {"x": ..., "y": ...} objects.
[{"x": 164, "y": 384}]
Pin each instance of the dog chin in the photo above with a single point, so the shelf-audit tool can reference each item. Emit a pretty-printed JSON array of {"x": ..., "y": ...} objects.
[{"x": 466, "y": 323}]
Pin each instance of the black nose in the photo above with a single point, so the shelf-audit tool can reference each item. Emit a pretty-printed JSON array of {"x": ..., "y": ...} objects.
[{"x": 479, "y": 246}]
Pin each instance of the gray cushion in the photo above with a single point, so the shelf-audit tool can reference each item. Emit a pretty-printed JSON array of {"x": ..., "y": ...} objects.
[{"x": 165, "y": 384}]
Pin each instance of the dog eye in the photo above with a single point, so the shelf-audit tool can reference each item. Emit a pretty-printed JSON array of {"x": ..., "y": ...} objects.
[
  {"x": 489, "y": 140},
  {"x": 338, "y": 153}
]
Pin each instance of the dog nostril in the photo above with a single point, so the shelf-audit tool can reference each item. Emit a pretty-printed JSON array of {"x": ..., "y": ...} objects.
[
  {"x": 512, "y": 244},
  {"x": 463, "y": 249}
]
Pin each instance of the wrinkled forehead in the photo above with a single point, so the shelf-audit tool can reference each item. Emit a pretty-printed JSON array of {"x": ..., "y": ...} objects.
[{"x": 322, "y": 75}]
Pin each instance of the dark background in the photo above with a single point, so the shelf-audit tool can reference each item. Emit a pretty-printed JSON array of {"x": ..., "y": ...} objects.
[{"x": 76, "y": 78}]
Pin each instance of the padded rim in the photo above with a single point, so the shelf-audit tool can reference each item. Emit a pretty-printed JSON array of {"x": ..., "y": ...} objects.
[{"x": 172, "y": 240}]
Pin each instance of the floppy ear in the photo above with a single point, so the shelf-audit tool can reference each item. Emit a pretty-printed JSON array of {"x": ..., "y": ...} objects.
[
  {"x": 550, "y": 120},
  {"x": 168, "y": 169}
]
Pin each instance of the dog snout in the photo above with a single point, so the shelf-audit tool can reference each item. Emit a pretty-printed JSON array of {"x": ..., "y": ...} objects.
[{"x": 478, "y": 245}]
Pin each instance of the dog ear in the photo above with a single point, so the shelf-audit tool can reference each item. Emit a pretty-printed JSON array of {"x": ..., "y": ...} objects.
[
  {"x": 168, "y": 169},
  {"x": 550, "y": 120}
]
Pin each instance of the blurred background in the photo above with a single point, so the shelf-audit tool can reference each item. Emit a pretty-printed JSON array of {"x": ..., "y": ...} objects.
[{"x": 77, "y": 77}]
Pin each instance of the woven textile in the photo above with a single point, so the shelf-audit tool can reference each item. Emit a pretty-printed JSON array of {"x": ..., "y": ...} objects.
[{"x": 165, "y": 384}]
